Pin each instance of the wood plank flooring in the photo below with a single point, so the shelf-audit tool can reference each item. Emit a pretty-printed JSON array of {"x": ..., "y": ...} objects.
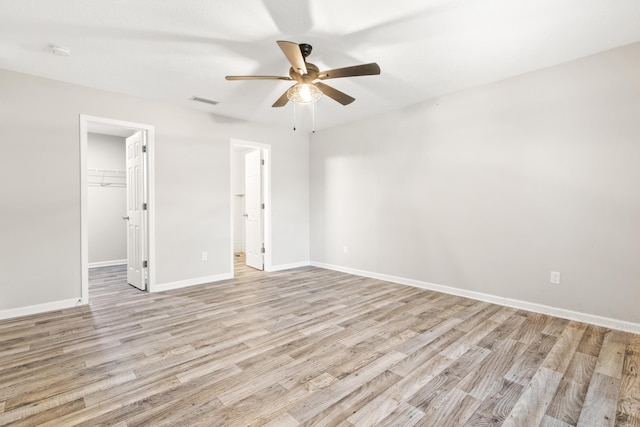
[{"x": 309, "y": 347}]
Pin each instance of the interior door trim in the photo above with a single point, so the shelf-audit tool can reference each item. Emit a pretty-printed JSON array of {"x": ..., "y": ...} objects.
[
  {"x": 266, "y": 198},
  {"x": 85, "y": 122}
]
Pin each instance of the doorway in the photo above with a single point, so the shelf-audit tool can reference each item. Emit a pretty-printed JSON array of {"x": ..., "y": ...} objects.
[
  {"x": 250, "y": 204},
  {"x": 137, "y": 217}
]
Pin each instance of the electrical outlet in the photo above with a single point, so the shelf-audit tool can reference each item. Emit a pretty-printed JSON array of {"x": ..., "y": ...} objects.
[
  {"x": 345, "y": 249},
  {"x": 204, "y": 256},
  {"x": 555, "y": 278}
]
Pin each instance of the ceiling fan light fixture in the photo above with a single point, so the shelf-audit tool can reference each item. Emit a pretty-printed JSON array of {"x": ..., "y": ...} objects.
[{"x": 304, "y": 93}]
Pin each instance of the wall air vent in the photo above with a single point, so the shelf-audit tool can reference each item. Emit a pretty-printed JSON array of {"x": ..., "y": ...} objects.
[{"x": 205, "y": 100}]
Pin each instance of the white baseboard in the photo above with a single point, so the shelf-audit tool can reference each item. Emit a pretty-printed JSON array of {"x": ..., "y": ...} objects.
[
  {"x": 190, "y": 282},
  {"x": 107, "y": 263},
  {"x": 606, "y": 322},
  {"x": 39, "y": 308},
  {"x": 281, "y": 267}
]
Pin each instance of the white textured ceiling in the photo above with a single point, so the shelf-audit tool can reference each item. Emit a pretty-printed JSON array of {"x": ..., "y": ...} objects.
[{"x": 170, "y": 50}]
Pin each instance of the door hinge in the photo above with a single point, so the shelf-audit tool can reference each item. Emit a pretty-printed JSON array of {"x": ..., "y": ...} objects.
[
  {"x": 144, "y": 148},
  {"x": 262, "y": 249},
  {"x": 145, "y": 264},
  {"x": 263, "y": 206},
  {"x": 262, "y": 162},
  {"x": 145, "y": 206}
]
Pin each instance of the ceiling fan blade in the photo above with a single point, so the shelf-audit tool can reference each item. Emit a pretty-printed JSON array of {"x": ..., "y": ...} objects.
[
  {"x": 257, "y": 78},
  {"x": 353, "y": 71},
  {"x": 335, "y": 94},
  {"x": 294, "y": 56},
  {"x": 282, "y": 101}
]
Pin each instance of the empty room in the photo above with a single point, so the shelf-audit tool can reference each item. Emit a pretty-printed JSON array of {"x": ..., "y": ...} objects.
[{"x": 305, "y": 213}]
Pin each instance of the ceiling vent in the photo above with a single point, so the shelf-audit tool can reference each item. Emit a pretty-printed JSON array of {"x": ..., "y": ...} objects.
[
  {"x": 204, "y": 100},
  {"x": 60, "y": 50}
]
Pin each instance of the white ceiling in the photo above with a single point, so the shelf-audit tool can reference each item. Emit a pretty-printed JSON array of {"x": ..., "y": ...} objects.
[{"x": 170, "y": 50}]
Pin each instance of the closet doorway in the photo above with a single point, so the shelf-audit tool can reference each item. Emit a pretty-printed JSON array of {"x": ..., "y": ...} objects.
[
  {"x": 250, "y": 204},
  {"x": 117, "y": 218}
]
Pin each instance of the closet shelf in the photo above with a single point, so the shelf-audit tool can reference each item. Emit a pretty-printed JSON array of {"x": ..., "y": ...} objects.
[
  {"x": 106, "y": 177},
  {"x": 109, "y": 171}
]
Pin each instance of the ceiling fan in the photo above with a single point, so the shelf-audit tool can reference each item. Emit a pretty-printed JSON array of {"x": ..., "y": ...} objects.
[{"x": 308, "y": 87}]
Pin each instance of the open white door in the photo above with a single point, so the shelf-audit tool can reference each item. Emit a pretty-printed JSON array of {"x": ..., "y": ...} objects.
[
  {"x": 135, "y": 217},
  {"x": 253, "y": 206}
]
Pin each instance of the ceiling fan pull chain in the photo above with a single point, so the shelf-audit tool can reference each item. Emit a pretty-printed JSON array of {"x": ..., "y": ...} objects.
[
  {"x": 313, "y": 118},
  {"x": 294, "y": 116}
]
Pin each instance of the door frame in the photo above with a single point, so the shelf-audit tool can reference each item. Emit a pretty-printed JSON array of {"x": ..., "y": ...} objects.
[
  {"x": 266, "y": 199},
  {"x": 85, "y": 122}
]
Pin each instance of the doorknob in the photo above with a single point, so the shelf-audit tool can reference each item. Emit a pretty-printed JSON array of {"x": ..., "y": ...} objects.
[{"x": 125, "y": 217}]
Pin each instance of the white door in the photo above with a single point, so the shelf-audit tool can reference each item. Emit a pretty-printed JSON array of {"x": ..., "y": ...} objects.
[
  {"x": 253, "y": 206},
  {"x": 135, "y": 217}
]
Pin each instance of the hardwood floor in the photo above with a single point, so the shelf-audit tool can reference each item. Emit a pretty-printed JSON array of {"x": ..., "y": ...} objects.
[{"x": 310, "y": 347}]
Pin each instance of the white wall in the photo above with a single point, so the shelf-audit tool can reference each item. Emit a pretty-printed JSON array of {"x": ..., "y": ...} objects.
[
  {"x": 40, "y": 156},
  {"x": 490, "y": 189},
  {"x": 107, "y": 231},
  {"x": 239, "y": 226},
  {"x": 238, "y": 191}
]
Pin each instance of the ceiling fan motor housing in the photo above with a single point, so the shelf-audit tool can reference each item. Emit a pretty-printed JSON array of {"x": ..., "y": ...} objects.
[{"x": 312, "y": 74}]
